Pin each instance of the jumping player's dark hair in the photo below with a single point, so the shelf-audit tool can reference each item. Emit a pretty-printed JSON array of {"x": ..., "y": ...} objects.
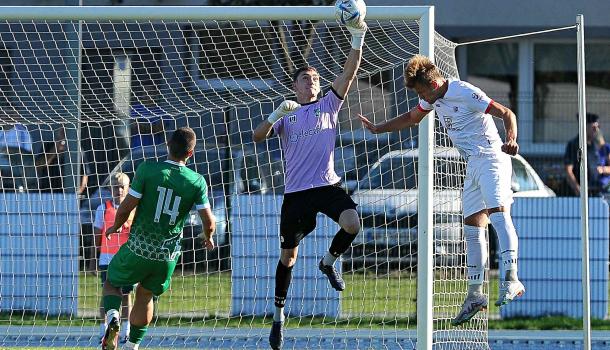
[
  {"x": 298, "y": 72},
  {"x": 181, "y": 142}
]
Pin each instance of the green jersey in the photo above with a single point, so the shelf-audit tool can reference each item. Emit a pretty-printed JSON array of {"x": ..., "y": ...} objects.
[{"x": 167, "y": 192}]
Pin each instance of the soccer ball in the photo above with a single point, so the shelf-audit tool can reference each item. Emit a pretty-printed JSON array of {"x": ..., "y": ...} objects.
[{"x": 350, "y": 11}]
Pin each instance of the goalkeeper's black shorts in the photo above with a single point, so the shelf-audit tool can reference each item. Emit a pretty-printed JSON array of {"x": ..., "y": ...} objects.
[{"x": 299, "y": 211}]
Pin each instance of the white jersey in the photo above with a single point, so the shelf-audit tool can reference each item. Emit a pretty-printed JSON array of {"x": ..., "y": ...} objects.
[{"x": 463, "y": 112}]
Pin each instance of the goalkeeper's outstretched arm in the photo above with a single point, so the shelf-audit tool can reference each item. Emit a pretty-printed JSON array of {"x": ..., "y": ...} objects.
[
  {"x": 264, "y": 128},
  {"x": 343, "y": 82}
]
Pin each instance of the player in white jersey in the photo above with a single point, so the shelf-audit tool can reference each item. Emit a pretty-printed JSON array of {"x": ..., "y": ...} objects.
[
  {"x": 308, "y": 129},
  {"x": 466, "y": 112}
]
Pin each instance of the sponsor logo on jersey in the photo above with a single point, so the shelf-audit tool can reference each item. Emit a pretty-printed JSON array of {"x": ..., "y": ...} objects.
[
  {"x": 296, "y": 136},
  {"x": 449, "y": 123},
  {"x": 476, "y": 96},
  {"x": 455, "y": 108},
  {"x": 317, "y": 112},
  {"x": 292, "y": 118}
]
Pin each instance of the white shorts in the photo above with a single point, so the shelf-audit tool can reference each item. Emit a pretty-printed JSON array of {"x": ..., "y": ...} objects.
[{"x": 488, "y": 183}]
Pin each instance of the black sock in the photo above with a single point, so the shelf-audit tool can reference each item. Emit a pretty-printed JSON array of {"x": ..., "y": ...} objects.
[
  {"x": 341, "y": 242},
  {"x": 283, "y": 276}
]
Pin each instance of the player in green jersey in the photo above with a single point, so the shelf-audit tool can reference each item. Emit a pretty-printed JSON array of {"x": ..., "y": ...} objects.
[{"x": 163, "y": 194}]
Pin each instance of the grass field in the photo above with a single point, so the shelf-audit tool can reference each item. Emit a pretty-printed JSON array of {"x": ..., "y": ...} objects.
[
  {"x": 204, "y": 301},
  {"x": 72, "y": 348},
  {"x": 370, "y": 302}
]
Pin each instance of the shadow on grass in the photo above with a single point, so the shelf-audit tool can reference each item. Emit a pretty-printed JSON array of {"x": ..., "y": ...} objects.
[{"x": 547, "y": 323}]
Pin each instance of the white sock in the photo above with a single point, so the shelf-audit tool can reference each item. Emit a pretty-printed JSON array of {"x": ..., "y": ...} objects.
[
  {"x": 110, "y": 314},
  {"x": 507, "y": 239},
  {"x": 329, "y": 259},
  {"x": 278, "y": 315},
  {"x": 131, "y": 346},
  {"x": 125, "y": 328},
  {"x": 475, "y": 289},
  {"x": 476, "y": 254},
  {"x": 511, "y": 275}
]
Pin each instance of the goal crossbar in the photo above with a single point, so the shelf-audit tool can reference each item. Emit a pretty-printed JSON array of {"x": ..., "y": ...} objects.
[{"x": 178, "y": 13}]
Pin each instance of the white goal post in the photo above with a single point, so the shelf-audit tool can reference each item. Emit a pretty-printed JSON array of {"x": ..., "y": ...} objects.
[
  {"x": 185, "y": 13},
  {"x": 380, "y": 63}
]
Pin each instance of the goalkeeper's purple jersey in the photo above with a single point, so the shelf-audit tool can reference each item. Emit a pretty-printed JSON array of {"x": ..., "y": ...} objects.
[{"x": 308, "y": 141}]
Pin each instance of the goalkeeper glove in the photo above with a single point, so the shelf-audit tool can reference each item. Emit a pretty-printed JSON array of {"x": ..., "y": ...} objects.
[
  {"x": 358, "y": 30},
  {"x": 285, "y": 107}
]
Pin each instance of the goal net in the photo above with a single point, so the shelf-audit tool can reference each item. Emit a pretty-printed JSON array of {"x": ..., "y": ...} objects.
[{"x": 89, "y": 99}]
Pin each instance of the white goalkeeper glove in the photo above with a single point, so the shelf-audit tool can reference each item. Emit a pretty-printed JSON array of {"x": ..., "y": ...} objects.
[
  {"x": 358, "y": 30},
  {"x": 285, "y": 107}
]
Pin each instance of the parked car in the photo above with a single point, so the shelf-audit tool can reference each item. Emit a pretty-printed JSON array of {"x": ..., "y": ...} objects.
[
  {"x": 526, "y": 182},
  {"x": 387, "y": 201},
  {"x": 257, "y": 172},
  {"x": 353, "y": 158}
]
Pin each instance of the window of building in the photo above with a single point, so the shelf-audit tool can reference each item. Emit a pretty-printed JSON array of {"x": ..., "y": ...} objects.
[
  {"x": 556, "y": 88},
  {"x": 494, "y": 68},
  {"x": 233, "y": 56},
  {"x": 6, "y": 70},
  {"x": 146, "y": 77}
]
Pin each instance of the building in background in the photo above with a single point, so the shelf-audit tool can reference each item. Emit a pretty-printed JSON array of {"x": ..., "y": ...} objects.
[{"x": 535, "y": 75}]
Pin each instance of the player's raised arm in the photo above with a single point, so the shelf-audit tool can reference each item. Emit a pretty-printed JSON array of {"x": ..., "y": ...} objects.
[
  {"x": 405, "y": 120},
  {"x": 344, "y": 80},
  {"x": 510, "y": 145},
  {"x": 264, "y": 128}
]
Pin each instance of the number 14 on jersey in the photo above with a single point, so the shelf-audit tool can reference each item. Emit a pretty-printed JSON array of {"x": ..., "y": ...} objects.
[{"x": 164, "y": 204}]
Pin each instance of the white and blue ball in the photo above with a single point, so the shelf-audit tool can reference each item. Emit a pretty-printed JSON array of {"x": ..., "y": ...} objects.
[{"x": 349, "y": 12}]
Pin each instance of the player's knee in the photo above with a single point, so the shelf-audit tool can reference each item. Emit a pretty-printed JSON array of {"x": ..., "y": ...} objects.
[
  {"x": 352, "y": 227},
  {"x": 496, "y": 210},
  {"x": 289, "y": 257},
  {"x": 350, "y": 221},
  {"x": 289, "y": 261},
  {"x": 143, "y": 294},
  {"x": 478, "y": 219},
  {"x": 109, "y": 289}
]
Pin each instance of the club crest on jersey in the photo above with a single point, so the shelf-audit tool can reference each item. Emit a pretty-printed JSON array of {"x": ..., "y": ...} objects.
[
  {"x": 455, "y": 108},
  {"x": 292, "y": 118},
  {"x": 317, "y": 112}
]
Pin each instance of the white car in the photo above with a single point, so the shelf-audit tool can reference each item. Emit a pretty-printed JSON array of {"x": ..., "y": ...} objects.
[{"x": 387, "y": 201}]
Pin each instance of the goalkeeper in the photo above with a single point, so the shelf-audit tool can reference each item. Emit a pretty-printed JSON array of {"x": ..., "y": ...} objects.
[
  {"x": 466, "y": 112},
  {"x": 163, "y": 193},
  {"x": 307, "y": 129}
]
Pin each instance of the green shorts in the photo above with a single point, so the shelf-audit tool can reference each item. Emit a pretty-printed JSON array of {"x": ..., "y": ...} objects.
[{"x": 127, "y": 269}]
